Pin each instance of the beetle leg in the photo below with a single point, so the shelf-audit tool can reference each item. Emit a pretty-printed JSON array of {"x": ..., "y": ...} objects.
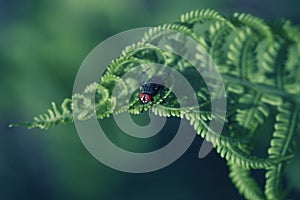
[
  {"x": 142, "y": 109},
  {"x": 152, "y": 102},
  {"x": 161, "y": 96}
]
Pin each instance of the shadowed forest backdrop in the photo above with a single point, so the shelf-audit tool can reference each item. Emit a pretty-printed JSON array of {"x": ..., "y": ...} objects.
[{"x": 42, "y": 44}]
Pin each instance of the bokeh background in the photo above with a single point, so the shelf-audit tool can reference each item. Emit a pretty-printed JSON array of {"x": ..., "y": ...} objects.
[{"x": 42, "y": 44}]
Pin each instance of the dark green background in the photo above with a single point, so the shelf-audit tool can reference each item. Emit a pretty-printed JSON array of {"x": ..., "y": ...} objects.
[{"x": 42, "y": 44}]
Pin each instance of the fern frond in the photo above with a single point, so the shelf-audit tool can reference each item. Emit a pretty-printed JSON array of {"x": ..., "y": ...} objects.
[
  {"x": 199, "y": 16},
  {"x": 157, "y": 32},
  {"x": 292, "y": 71},
  {"x": 54, "y": 116},
  {"x": 256, "y": 24},
  {"x": 252, "y": 111},
  {"x": 199, "y": 120},
  {"x": 272, "y": 62},
  {"x": 216, "y": 39},
  {"x": 245, "y": 184},
  {"x": 285, "y": 129},
  {"x": 292, "y": 33},
  {"x": 247, "y": 161},
  {"x": 123, "y": 64},
  {"x": 240, "y": 55}
]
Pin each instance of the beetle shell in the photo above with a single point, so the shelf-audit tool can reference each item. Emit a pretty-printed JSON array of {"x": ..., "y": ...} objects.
[{"x": 148, "y": 91}]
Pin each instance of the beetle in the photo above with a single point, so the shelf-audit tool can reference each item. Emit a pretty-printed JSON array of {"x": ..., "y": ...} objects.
[{"x": 148, "y": 91}]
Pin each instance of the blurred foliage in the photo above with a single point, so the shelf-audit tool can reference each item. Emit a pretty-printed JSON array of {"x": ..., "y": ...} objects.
[{"x": 42, "y": 44}]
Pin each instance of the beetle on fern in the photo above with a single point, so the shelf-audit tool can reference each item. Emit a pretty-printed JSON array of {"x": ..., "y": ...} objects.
[{"x": 259, "y": 63}]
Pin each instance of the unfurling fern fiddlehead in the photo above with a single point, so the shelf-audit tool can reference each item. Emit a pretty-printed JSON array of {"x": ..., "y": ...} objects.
[{"x": 260, "y": 66}]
